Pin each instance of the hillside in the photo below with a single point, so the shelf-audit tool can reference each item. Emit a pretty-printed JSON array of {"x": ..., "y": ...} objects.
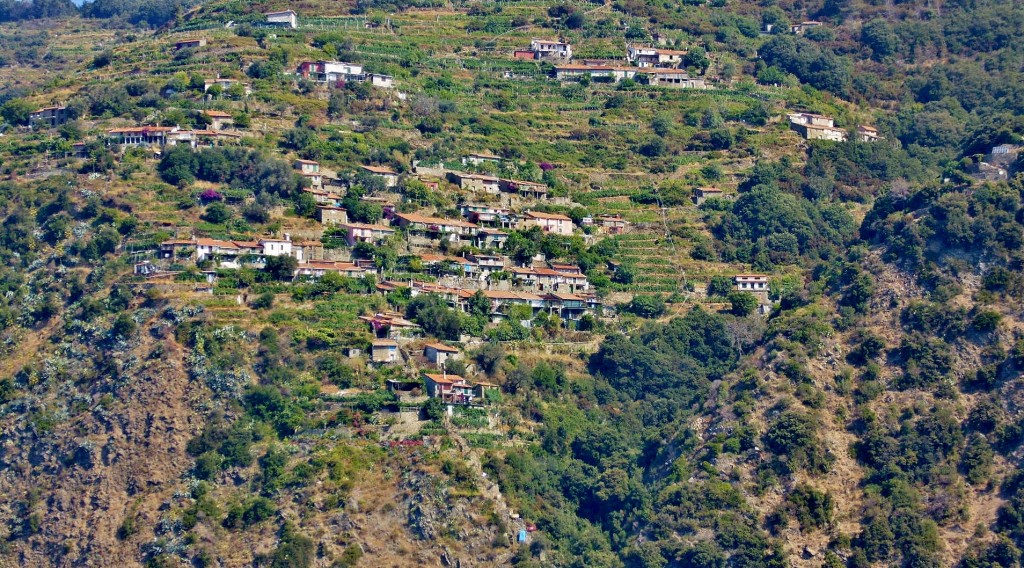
[{"x": 628, "y": 284}]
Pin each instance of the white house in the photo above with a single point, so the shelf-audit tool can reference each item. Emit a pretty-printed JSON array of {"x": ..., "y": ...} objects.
[
  {"x": 285, "y": 19},
  {"x": 381, "y": 81},
  {"x": 330, "y": 71},
  {"x": 544, "y": 49},
  {"x": 643, "y": 56},
  {"x": 280, "y": 247},
  {"x": 751, "y": 282}
]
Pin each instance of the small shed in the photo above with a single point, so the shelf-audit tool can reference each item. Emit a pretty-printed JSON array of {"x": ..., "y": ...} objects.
[
  {"x": 331, "y": 215},
  {"x": 439, "y": 353},
  {"x": 384, "y": 351}
]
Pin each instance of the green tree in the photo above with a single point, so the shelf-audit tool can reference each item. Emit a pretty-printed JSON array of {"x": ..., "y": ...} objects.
[
  {"x": 646, "y": 306},
  {"x": 17, "y": 111},
  {"x": 281, "y": 267},
  {"x": 217, "y": 213},
  {"x": 743, "y": 303},
  {"x": 178, "y": 166},
  {"x": 124, "y": 327},
  {"x": 879, "y": 36},
  {"x": 698, "y": 59},
  {"x": 719, "y": 286},
  {"x": 305, "y": 204}
]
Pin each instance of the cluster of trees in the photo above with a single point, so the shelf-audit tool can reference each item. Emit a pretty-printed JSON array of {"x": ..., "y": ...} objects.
[
  {"x": 238, "y": 167},
  {"x": 677, "y": 360},
  {"x": 768, "y": 226},
  {"x": 148, "y": 12},
  {"x": 15, "y": 10},
  {"x": 985, "y": 222},
  {"x": 136, "y": 12},
  {"x": 598, "y": 476},
  {"x": 812, "y": 64},
  {"x": 434, "y": 315}
]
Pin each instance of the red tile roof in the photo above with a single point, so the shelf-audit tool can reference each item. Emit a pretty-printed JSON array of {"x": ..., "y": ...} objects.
[{"x": 445, "y": 379}]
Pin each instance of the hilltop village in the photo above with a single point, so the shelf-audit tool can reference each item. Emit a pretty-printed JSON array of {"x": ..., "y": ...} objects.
[{"x": 372, "y": 229}]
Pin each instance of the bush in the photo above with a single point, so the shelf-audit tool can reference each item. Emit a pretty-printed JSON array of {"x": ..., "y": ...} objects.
[
  {"x": 646, "y": 306},
  {"x": 743, "y": 303},
  {"x": 813, "y": 509},
  {"x": 264, "y": 301},
  {"x": 986, "y": 321},
  {"x": 719, "y": 286},
  {"x": 253, "y": 511},
  {"x": 793, "y": 436},
  {"x": 217, "y": 213}
]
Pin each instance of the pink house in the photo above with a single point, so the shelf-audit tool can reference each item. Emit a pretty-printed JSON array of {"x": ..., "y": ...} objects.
[
  {"x": 549, "y": 222},
  {"x": 363, "y": 233}
]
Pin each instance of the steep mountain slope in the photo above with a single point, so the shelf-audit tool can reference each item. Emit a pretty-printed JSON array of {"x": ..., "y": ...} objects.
[{"x": 206, "y": 414}]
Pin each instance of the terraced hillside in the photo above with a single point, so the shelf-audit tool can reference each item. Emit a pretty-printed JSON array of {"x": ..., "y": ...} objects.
[{"x": 382, "y": 290}]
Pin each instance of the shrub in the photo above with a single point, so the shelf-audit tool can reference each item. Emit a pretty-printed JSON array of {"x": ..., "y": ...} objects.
[
  {"x": 793, "y": 436},
  {"x": 264, "y": 301},
  {"x": 813, "y": 509},
  {"x": 743, "y": 303},
  {"x": 986, "y": 321},
  {"x": 646, "y": 306},
  {"x": 720, "y": 286},
  {"x": 217, "y": 213}
]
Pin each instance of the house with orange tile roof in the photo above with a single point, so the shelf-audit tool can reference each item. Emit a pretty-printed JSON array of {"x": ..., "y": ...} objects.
[{"x": 448, "y": 228}]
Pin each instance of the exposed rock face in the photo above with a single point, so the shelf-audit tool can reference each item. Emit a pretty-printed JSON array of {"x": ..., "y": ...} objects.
[{"x": 75, "y": 469}]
